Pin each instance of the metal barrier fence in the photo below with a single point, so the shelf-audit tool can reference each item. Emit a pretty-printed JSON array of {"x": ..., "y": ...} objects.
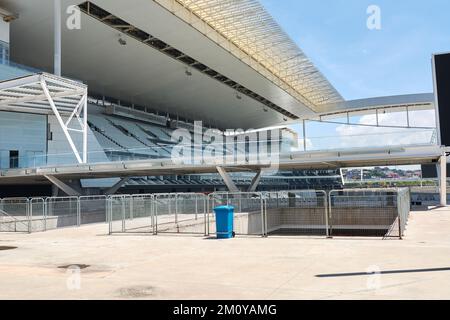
[
  {"x": 120, "y": 214},
  {"x": 93, "y": 209},
  {"x": 366, "y": 212},
  {"x": 161, "y": 213},
  {"x": 354, "y": 212},
  {"x": 38, "y": 215},
  {"x": 249, "y": 218},
  {"x": 297, "y": 212},
  {"x": 181, "y": 213},
  {"x": 62, "y": 212},
  {"x": 404, "y": 209},
  {"x": 15, "y": 215}
]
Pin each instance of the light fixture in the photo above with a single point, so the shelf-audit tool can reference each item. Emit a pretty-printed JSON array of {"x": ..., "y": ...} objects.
[
  {"x": 188, "y": 72},
  {"x": 238, "y": 96},
  {"x": 10, "y": 18},
  {"x": 265, "y": 109},
  {"x": 122, "y": 41}
]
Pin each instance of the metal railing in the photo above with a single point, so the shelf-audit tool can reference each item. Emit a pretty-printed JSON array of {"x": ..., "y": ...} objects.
[
  {"x": 62, "y": 212},
  {"x": 249, "y": 217},
  {"x": 366, "y": 212},
  {"x": 303, "y": 212},
  {"x": 181, "y": 213},
  {"x": 38, "y": 215},
  {"x": 120, "y": 213},
  {"x": 92, "y": 210},
  {"x": 353, "y": 212},
  {"x": 15, "y": 215},
  {"x": 404, "y": 209}
]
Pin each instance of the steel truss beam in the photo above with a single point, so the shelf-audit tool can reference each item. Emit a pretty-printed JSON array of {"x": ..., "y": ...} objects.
[{"x": 55, "y": 95}]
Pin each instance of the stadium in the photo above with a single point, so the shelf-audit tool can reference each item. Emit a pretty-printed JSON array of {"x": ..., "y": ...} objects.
[{"x": 145, "y": 115}]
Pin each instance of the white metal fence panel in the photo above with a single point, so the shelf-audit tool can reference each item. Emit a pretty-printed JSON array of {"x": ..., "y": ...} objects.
[
  {"x": 249, "y": 216},
  {"x": 119, "y": 212},
  {"x": 38, "y": 215},
  {"x": 362, "y": 212},
  {"x": 63, "y": 212},
  {"x": 297, "y": 213},
  {"x": 354, "y": 212},
  {"x": 181, "y": 213},
  {"x": 141, "y": 217},
  {"x": 15, "y": 215},
  {"x": 93, "y": 210}
]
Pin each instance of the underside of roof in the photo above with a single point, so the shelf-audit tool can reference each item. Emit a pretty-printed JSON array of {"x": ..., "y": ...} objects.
[{"x": 252, "y": 29}]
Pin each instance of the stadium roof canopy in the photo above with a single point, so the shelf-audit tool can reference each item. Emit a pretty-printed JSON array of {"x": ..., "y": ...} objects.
[
  {"x": 226, "y": 62},
  {"x": 251, "y": 28}
]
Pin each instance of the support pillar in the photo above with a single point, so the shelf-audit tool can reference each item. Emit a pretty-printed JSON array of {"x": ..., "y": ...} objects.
[
  {"x": 57, "y": 37},
  {"x": 227, "y": 179},
  {"x": 63, "y": 186},
  {"x": 255, "y": 182},
  {"x": 117, "y": 186}
]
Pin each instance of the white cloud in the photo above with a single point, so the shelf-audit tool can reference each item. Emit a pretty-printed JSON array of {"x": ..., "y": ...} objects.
[
  {"x": 352, "y": 136},
  {"x": 309, "y": 145}
]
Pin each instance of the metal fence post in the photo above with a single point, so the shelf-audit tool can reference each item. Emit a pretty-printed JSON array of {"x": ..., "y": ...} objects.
[
  {"x": 131, "y": 207},
  {"x": 327, "y": 223},
  {"x": 209, "y": 209},
  {"x": 263, "y": 232},
  {"x": 196, "y": 207},
  {"x": 176, "y": 208},
  {"x": 109, "y": 213},
  {"x": 205, "y": 214},
  {"x": 29, "y": 213},
  {"x": 152, "y": 212},
  {"x": 399, "y": 212},
  {"x": 156, "y": 213},
  {"x": 45, "y": 213},
  {"x": 169, "y": 205},
  {"x": 266, "y": 231},
  {"x": 330, "y": 214},
  {"x": 78, "y": 212},
  {"x": 123, "y": 213},
  {"x": 240, "y": 204}
]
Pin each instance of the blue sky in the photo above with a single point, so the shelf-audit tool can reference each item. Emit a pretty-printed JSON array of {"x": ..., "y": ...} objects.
[{"x": 360, "y": 62}]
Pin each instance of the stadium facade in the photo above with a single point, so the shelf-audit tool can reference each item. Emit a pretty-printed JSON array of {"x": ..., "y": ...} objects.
[{"x": 103, "y": 86}]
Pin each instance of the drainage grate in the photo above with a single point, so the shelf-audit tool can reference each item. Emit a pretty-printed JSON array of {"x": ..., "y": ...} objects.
[
  {"x": 75, "y": 266},
  {"x": 137, "y": 292}
]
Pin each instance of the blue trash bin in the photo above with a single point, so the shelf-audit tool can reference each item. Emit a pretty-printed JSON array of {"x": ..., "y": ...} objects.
[{"x": 224, "y": 222}]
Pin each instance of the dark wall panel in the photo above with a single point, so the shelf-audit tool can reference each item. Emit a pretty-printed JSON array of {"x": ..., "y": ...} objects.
[
  {"x": 442, "y": 64},
  {"x": 429, "y": 171},
  {"x": 25, "y": 191}
]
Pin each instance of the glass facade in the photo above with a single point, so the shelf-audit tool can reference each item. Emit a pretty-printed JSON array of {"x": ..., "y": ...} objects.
[{"x": 23, "y": 140}]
